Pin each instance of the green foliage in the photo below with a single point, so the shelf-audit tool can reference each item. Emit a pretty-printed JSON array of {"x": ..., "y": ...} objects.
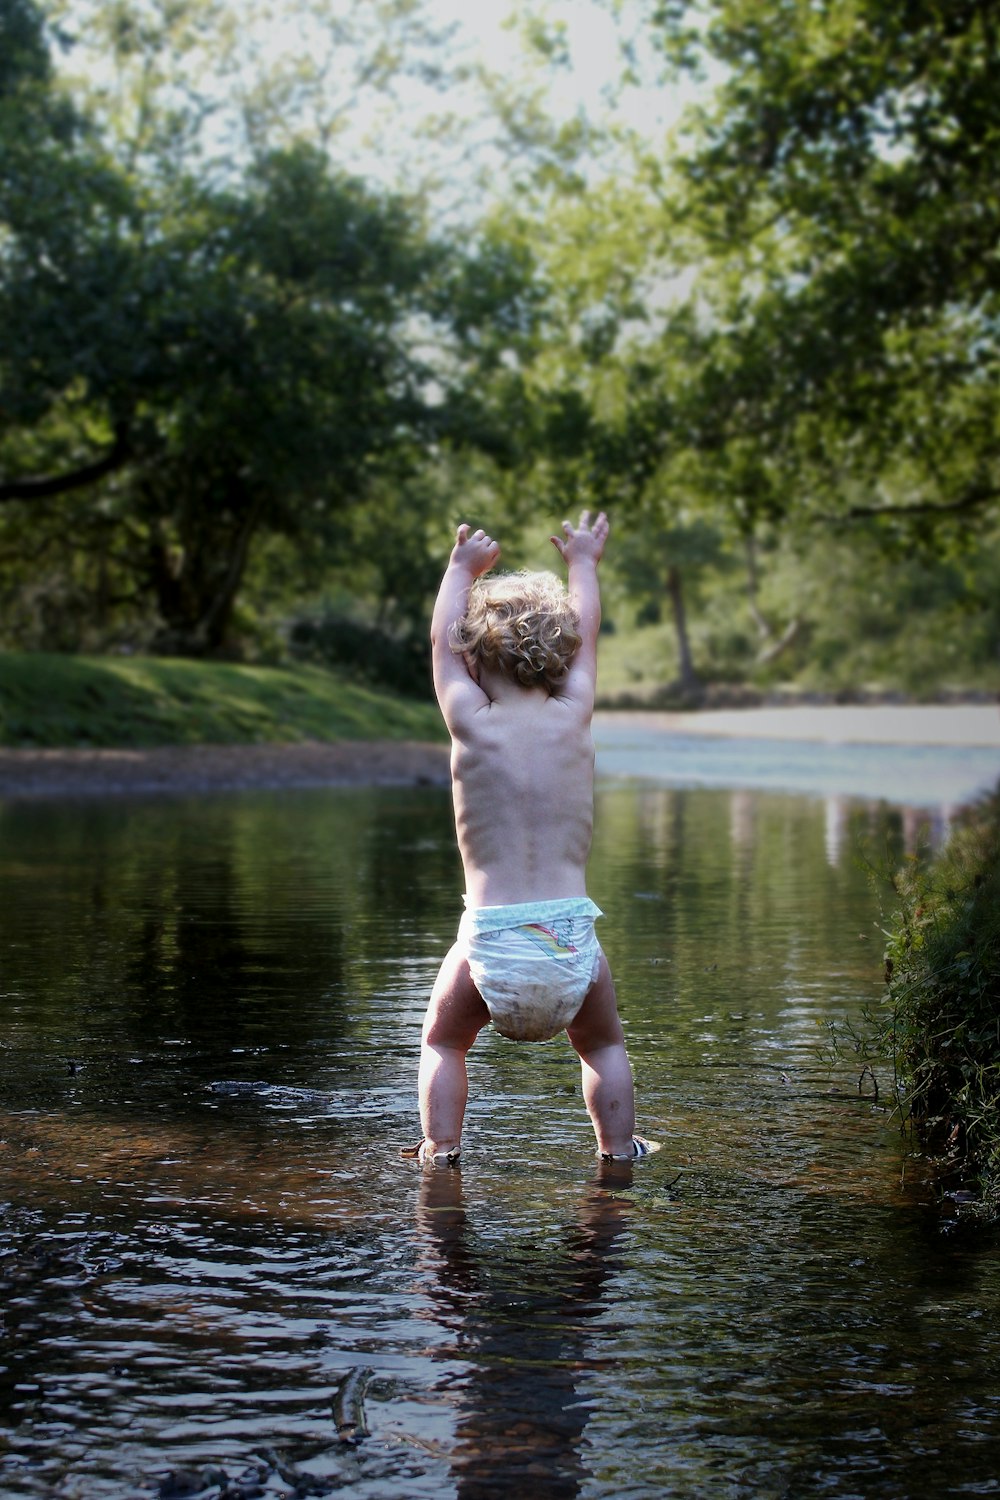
[
  {"x": 869, "y": 621},
  {"x": 142, "y": 701},
  {"x": 845, "y": 183},
  {"x": 193, "y": 363},
  {"x": 784, "y": 336},
  {"x": 940, "y": 1019},
  {"x": 65, "y": 231},
  {"x": 911, "y": 621},
  {"x": 209, "y": 84},
  {"x": 364, "y": 652},
  {"x": 250, "y": 356},
  {"x": 234, "y": 376}
]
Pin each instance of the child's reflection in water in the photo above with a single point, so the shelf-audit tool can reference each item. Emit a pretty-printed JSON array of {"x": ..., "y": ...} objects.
[{"x": 520, "y": 1317}]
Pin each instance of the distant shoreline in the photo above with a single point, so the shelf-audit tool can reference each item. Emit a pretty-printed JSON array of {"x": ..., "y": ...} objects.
[
  {"x": 957, "y": 724},
  {"x": 183, "y": 769}
]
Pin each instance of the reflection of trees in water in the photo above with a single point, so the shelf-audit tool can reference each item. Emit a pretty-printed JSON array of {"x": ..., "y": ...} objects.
[
  {"x": 187, "y": 919},
  {"x": 520, "y": 1318},
  {"x": 723, "y": 902},
  {"x": 408, "y": 861},
  {"x": 200, "y": 959}
]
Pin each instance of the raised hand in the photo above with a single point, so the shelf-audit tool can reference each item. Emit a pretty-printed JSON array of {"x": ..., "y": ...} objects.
[
  {"x": 474, "y": 550},
  {"x": 584, "y": 542}
]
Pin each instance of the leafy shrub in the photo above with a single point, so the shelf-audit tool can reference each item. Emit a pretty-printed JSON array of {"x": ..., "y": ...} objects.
[
  {"x": 372, "y": 655},
  {"x": 939, "y": 1020}
]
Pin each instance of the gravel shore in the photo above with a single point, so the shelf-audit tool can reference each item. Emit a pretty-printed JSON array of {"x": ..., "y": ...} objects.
[{"x": 213, "y": 768}]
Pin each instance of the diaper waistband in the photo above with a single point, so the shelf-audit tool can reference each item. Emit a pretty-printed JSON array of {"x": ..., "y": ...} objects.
[{"x": 497, "y": 918}]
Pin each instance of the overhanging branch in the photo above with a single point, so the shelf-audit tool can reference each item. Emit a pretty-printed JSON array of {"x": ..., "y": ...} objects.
[
  {"x": 974, "y": 496},
  {"x": 48, "y": 487}
]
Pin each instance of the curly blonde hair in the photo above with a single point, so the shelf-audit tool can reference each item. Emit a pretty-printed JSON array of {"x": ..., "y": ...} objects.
[{"x": 522, "y": 625}]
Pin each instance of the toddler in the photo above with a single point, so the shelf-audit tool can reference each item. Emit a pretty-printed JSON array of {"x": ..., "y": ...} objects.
[{"x": 515, "y": 670}]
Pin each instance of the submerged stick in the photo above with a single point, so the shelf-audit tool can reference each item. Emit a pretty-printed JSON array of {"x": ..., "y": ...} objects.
[
  {"x": 867, "y": 1072},
  {"x": 348, "y": 1405}
]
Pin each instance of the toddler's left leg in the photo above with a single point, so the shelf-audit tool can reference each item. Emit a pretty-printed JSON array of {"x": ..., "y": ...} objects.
[
  {"x": 608, "y": 1091},
  {"x": 455, "y": 1016}
]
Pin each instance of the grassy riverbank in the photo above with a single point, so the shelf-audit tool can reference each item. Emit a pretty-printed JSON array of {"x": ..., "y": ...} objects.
[
  {"x": 69, "y": 701},
  {"x": 939, "y": 1021}
]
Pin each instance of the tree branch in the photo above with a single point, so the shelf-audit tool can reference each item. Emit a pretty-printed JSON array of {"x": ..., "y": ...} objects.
[
  {"x": 975, "y": 495},
  {"x": 37, "y": 488}
]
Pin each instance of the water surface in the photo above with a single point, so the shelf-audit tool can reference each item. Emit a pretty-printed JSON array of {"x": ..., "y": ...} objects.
[
  {"x": 767, "y": 1307},
  {"x": 939, "y": 776}
]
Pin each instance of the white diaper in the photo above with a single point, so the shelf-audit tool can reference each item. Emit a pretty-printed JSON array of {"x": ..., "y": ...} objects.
[{"x": 532, "y": 963}]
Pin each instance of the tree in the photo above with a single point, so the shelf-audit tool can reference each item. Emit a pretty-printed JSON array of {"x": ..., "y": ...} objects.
[
  {"x": 64, "y": 224},
  {"x": 845, "y": 183},
  {"x": 197, "y": 364},
  {"x": 249, "y": 361},
  {"x": 204, "y": 86},
  {"x": 789, "y": 330}
]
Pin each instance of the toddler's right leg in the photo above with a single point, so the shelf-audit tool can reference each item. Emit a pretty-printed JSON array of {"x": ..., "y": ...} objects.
[
  {"x": 608, "y": 1092},
  {"x": 455, "y": 1016}
]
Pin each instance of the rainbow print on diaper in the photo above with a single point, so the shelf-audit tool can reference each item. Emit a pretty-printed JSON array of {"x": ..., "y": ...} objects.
[{"x": 549, "y": 940}]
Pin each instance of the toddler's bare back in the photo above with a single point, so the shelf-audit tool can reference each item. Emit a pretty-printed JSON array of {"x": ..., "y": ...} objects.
[{"x": 523, "y": 777}]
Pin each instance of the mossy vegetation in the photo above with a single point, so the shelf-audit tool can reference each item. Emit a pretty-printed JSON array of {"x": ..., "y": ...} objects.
[
  {"x": 52, "y": 700},
  {"x": 939, "y": 1019}
]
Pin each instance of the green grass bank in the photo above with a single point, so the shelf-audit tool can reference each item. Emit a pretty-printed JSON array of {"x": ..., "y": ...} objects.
[
  {"x": 939, "y": 1019},
  {"x": 96, "y": 702}
]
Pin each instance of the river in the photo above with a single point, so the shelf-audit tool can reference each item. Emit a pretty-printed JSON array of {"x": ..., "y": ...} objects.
[{"x": 209, "y": 1026}]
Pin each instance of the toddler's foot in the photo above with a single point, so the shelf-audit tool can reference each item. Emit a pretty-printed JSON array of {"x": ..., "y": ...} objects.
[
  {"x": 427, "y": 1158},
  {"x": 640, "y": 1147}
]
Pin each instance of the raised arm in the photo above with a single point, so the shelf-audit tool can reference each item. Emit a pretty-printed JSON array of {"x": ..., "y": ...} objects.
[
  {"x": 474, "y": 553},
  {"x": 581, "y": 548}
]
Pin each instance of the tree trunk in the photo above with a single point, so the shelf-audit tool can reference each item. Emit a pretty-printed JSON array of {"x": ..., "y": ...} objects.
[
  {"x": 688, "y": 679},
  {"x": 789, "y": 635},
  {"x": 197, "y": 581},
  {"x": 771, "y": 647},
  {"x": 764, "y": 628}
]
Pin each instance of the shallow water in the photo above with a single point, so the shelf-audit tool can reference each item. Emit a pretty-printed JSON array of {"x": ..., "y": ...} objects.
[
  {"x": 768, "y": 1307},
  {"x": 941, "y": 777}
]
